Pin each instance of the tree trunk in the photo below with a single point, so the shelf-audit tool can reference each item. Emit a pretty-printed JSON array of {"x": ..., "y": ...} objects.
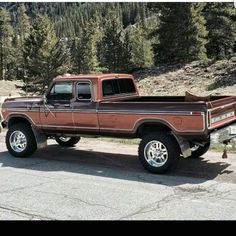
[{"x": 1, "y": 63}]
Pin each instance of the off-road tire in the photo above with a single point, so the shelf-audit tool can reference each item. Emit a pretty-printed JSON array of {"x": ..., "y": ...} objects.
[
  {"x": 31, "y": 145},
  {"x": 70, "y": 143},
  {"x": 172, "y": 147}
]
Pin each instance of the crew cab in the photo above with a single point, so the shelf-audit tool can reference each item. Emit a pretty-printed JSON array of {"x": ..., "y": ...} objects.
[{"x": 110, "y": 105}]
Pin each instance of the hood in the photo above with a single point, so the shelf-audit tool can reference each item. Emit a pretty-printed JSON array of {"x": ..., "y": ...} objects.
[{"x": 22, "y": 102}]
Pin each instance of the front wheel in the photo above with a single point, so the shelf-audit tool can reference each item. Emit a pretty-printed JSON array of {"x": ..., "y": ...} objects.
[
  {"x": 20, "y": 141},
  {"x": 159, "y": 152},
  {"x": 67, "y": 141}
]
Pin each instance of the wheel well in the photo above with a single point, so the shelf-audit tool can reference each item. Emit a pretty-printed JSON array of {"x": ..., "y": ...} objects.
[
  {"x": 151, "y": 127},
  {"x": 17, "y": 120}
]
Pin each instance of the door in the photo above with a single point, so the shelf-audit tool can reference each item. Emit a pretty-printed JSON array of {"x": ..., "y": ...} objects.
[
  {"x": 84, "y": 108},
  {"x": 56, "y": 113}
]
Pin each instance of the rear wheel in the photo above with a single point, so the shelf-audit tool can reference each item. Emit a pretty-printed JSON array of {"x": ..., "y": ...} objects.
[
  {"x": 198, "y": 151},
  {"x": 20, "y": 141},
  {"x": 67, "y": 141},
  {"x": 159, "y": 152}
]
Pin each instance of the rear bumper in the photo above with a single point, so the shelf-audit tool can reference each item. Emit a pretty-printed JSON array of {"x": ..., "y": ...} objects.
[{"x": 223, "y": 135}]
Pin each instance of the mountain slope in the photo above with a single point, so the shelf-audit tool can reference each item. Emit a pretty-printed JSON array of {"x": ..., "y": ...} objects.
[{"x": 217, "y": 78}]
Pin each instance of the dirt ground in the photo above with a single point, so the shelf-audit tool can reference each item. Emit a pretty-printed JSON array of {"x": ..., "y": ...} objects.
[{"x": 10, "y": 88}]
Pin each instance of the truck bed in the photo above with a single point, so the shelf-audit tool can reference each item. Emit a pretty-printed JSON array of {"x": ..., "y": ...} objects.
[
  {"x": 182, "y": 116},
  {"x": 165, "y": 99}
]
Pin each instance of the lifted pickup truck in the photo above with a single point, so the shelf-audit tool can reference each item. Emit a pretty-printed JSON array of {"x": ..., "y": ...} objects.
[{"x": 110, "y": 105}]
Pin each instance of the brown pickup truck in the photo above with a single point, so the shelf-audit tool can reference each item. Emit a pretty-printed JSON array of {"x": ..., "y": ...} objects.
[{"x": 110, "y": 105}]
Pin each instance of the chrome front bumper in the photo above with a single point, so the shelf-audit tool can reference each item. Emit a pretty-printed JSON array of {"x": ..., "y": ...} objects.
[{"x": 224, "y": 134}]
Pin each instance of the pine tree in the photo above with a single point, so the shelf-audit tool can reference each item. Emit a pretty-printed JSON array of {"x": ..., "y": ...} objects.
[
  {"x": 6, "y": 36},
  {"x": 86, "y": 48},
  {"x": 182, "y": 33},
  {"x": 142, "y": 51},
  {"x": 221, "y": 18},
  {"x": 112, "y": 44},
  {"x": 127, "y": 53},
  {"x": 23, "y": 24},
  {"x": 43, "y": 54},
  {"x": 21, "y": 33}
]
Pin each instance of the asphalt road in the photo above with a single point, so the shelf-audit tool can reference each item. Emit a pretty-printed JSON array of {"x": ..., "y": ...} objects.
[{"x": 99, "y": 180}]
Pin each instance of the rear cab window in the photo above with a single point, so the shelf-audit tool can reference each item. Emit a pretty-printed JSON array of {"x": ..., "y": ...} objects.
[{"x": 117, "y": 87}]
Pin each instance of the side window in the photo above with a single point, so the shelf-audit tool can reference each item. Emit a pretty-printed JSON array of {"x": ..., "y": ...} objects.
[
  {"x": 84, "y": 91},
  {"x": 126, "y": 86},
  {"x": 110, "y": 87},
  {"x": 107, "y": 88},
  {"x": 61, "y": 91},
  {"x": 114, "y": 86}
]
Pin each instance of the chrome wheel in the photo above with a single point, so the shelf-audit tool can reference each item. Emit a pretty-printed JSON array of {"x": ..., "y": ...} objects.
[
  {"x": 64, "y": 139},
  {"x": 155, "y": 153},
  {"x": 18, "y": 141}
]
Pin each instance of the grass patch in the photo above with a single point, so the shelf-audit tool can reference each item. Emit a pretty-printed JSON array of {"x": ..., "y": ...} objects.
[
  {"x": 231, "y": 148},
  {"x": 117, "y": 140},
  {"x": 120, "y": 140}
]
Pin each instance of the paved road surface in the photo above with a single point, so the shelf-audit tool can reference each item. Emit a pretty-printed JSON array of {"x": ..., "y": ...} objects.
[{"x": 101, "y": 180}]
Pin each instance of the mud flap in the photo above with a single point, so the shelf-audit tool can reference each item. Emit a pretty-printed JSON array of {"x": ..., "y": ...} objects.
[
  {"x": 40, "y": 138},
  {"x": 184, "y": 146}
]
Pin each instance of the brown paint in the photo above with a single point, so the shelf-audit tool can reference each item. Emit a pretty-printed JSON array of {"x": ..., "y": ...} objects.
[{"x": 121, "y": 115}]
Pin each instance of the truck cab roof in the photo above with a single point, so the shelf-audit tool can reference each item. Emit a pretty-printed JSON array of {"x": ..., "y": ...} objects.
[
  {"x": 91, "y": 76},
  {"x": 102, "y": 86}
]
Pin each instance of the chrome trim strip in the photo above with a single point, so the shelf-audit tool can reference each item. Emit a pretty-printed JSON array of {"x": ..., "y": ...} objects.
[
  {"x": 74, "y": 111},
  {"x": 222, "y": 107},
  {"x": 20, "y": 109},
  {"x": 70, "y": 127},
  {"x": 144, "y": 112}
]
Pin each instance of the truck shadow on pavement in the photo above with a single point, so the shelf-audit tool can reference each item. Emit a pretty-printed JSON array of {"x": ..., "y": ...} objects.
[{"x": 120, "y": 166}]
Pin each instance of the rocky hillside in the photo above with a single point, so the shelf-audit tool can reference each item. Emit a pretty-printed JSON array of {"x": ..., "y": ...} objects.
[
  {"x": 218, "y": 78},
  {"x": 10, "y": 88}
]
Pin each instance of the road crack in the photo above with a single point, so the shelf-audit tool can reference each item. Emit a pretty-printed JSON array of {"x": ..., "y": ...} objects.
[
  {"x": 154, "y": 206},
  {"x": 24, "y": 213},
  {"x": 22, "y": 188},
  {"x": 78, "y": 199}
]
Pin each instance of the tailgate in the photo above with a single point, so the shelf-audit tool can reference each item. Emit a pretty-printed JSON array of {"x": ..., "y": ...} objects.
[{"x": 221, "y": 112}]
